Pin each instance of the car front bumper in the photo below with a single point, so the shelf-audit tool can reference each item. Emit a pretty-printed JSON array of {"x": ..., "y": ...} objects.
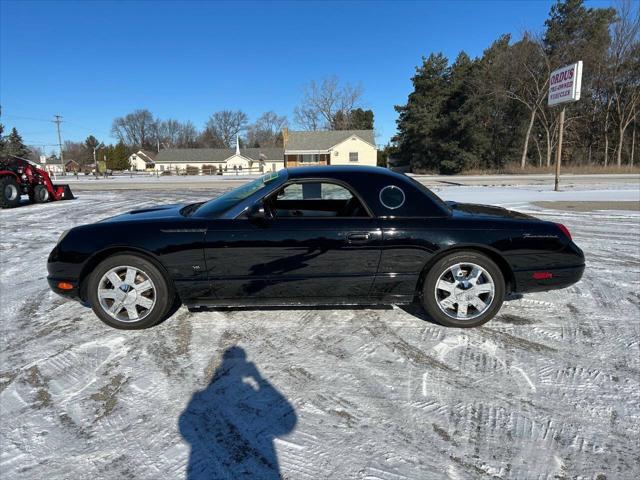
[{"x": 73, "y": 293}]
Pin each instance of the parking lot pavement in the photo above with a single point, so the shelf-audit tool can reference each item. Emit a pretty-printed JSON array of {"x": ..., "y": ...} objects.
[{"x": 548, "y": 389}]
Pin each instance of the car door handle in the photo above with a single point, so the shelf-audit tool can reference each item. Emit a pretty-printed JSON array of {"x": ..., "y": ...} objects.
[{"x": 357, "y": 237}]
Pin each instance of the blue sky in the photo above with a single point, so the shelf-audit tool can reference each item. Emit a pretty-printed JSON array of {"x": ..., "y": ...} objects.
[{"x": 93, "y": 61}]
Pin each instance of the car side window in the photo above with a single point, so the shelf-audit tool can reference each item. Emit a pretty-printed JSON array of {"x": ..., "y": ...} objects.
[
  {"x": 314, "y": 191},
  {"x": 316, "y": 199},
  {"x": 392, "y": 197}
]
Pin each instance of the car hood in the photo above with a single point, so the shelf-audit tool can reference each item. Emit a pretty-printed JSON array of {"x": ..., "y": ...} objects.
[
  {"x": 150, "y": 213},
  {"x": 463, "y": 209}
]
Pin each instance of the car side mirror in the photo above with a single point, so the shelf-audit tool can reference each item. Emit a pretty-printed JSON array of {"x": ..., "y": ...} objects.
[{"x": 257, "y": 212}]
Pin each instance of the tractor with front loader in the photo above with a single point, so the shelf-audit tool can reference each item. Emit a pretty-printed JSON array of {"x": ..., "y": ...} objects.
[{"x": 19, "y": 176}]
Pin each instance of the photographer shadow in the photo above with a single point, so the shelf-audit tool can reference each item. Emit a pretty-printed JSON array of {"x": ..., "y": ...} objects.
[{"x": 231, "y": 425}]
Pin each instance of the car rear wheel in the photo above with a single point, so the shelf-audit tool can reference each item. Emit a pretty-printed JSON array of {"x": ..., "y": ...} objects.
[
  {"x": 10, "y": 192},
  {"x": 129, "y": 292},
  {"x": 40, "y": 194},
  {"x": 464, "y": 289}
]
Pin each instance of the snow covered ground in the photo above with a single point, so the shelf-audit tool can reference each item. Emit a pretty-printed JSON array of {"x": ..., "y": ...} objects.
[{"x": 549, "y": 389}]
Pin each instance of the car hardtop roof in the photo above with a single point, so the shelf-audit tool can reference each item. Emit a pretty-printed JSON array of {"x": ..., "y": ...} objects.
[{"x": 329, "y": 171}]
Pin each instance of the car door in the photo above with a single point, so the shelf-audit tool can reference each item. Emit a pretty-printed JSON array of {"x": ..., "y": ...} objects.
[{"x": 305, "y": 253}]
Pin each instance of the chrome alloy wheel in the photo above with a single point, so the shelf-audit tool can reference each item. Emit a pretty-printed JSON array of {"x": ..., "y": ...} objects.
[
  {"x": 10, "y": 192},
  {"x": 464, "y": 291},
  {"x": 126, "y": 293}
]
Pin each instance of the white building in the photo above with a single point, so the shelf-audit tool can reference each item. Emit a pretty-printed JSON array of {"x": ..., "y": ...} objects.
[
  {"x": 227, "y": 161},
  {"x": 142, "y": 160},
  {"x": 53, "y": 165}
]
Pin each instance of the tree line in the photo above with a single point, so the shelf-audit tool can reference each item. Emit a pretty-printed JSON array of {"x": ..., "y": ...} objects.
[
  {"x": 326, "y": 105},
  {"x": 483, "y": 113}
]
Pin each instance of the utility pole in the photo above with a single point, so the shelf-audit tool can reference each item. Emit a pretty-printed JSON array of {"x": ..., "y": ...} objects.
[
  {"x": 58, "y": 121},
  {"x": 559, "y": 150},
  {"x": 95, "y": 162}
]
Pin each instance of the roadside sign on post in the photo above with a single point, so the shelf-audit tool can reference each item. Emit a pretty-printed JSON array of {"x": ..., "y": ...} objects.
[
  {"x": 565, "y": 83},
  {"x": 43, "y": 159},
  {"x": 564, "y": 86}
]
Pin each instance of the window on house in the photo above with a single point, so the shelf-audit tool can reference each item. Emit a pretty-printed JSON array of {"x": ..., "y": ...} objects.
[
  {"x": 353, "y": 156},
  {"x": 309, "y": 158}
]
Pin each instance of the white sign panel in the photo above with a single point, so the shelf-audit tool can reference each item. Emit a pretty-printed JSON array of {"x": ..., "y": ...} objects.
[
  {"x": 43, "y": 159},
  {"x": 564, "y": 84}
]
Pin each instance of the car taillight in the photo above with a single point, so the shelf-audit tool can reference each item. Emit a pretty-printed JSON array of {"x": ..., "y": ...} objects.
[{"x": 564, "y": 230}]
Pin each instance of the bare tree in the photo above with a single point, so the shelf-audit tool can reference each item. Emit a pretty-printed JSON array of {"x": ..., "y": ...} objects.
[
  {"x": 35, "y": 152},
  {"x": 625, "y": 69},
  {"x": 136, "y": 129},
  {"x": 168, "y": 133},
  {"x": 226, "y": 124},
  {"x": 266, "y": 131},
  {"x": 307, "y": 119},
  {"x": 326, "y": 103},
  {"x": 188, "y": 135},
  {"x": 75, "y": 151},
  {"x": 529, "y": 86}
]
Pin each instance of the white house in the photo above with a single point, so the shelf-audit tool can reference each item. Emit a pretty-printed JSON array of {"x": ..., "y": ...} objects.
[
  {"x": 227, "y": 161},
  {"x": 142, "y": 160},
  {"x": 53, "y": 165},
  {"x": 332, "y": 147}
]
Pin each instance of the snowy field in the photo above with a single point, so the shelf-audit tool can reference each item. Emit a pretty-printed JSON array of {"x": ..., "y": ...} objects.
[{"x": 549, "y": 389}]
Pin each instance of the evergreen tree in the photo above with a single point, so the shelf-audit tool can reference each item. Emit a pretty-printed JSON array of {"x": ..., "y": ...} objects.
[
  {"x": 119, "y": 159},
  {"x": 90, "y": 143},
  {"x": 2, "y": 140},
  {"x": 15, "y": 146},
  {"x": 422, "y": 115},
  {"x": 356, "y": 119}
]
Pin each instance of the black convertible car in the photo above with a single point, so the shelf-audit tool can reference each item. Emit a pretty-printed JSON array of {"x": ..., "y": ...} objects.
[{"x": 313, "y": 235}]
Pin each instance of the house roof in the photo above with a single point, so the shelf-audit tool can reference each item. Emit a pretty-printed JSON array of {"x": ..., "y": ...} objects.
[
  {"x": 216, "y": 155},
  {"x": 148, "y": 153},
  {"x": 53, "y": 161},
  {"x": 324, "y": 140}
]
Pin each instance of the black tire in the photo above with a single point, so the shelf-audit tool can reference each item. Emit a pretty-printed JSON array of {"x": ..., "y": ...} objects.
[
  {"x": 9, "y": 192},
  {"x": 431, "y": 297},
  {"x": 163, "y": 293},
  {"x": 40, "y": 194}
]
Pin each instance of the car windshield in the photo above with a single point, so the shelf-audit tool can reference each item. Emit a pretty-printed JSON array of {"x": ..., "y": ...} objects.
[{"x": 224, "y": 202}]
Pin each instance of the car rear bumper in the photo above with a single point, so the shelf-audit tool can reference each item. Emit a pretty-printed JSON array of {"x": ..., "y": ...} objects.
[{"x": 528, "y": 281}]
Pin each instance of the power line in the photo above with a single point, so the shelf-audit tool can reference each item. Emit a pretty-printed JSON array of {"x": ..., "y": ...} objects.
[
  {"x": 77, "y": 126},
  {"x": 20, "y": 117}
]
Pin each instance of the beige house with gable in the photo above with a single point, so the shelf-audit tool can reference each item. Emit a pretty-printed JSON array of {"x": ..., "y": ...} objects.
[{"x": 332, "y": 147}]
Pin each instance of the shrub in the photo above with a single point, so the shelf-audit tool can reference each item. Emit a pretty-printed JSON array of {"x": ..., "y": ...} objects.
[{"x": 209, "y": 169}]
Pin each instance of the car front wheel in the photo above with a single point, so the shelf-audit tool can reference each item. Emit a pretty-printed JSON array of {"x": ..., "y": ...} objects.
[
  {"x": 463, "y": 289},
  {"x": 129, "y": 292}
]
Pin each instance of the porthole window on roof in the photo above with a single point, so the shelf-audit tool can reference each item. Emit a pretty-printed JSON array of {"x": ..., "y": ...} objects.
[{"x": 392, "y": 197}]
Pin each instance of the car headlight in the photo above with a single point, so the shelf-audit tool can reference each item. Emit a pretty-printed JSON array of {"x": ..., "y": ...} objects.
[{"x": 64, "y": 234}]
